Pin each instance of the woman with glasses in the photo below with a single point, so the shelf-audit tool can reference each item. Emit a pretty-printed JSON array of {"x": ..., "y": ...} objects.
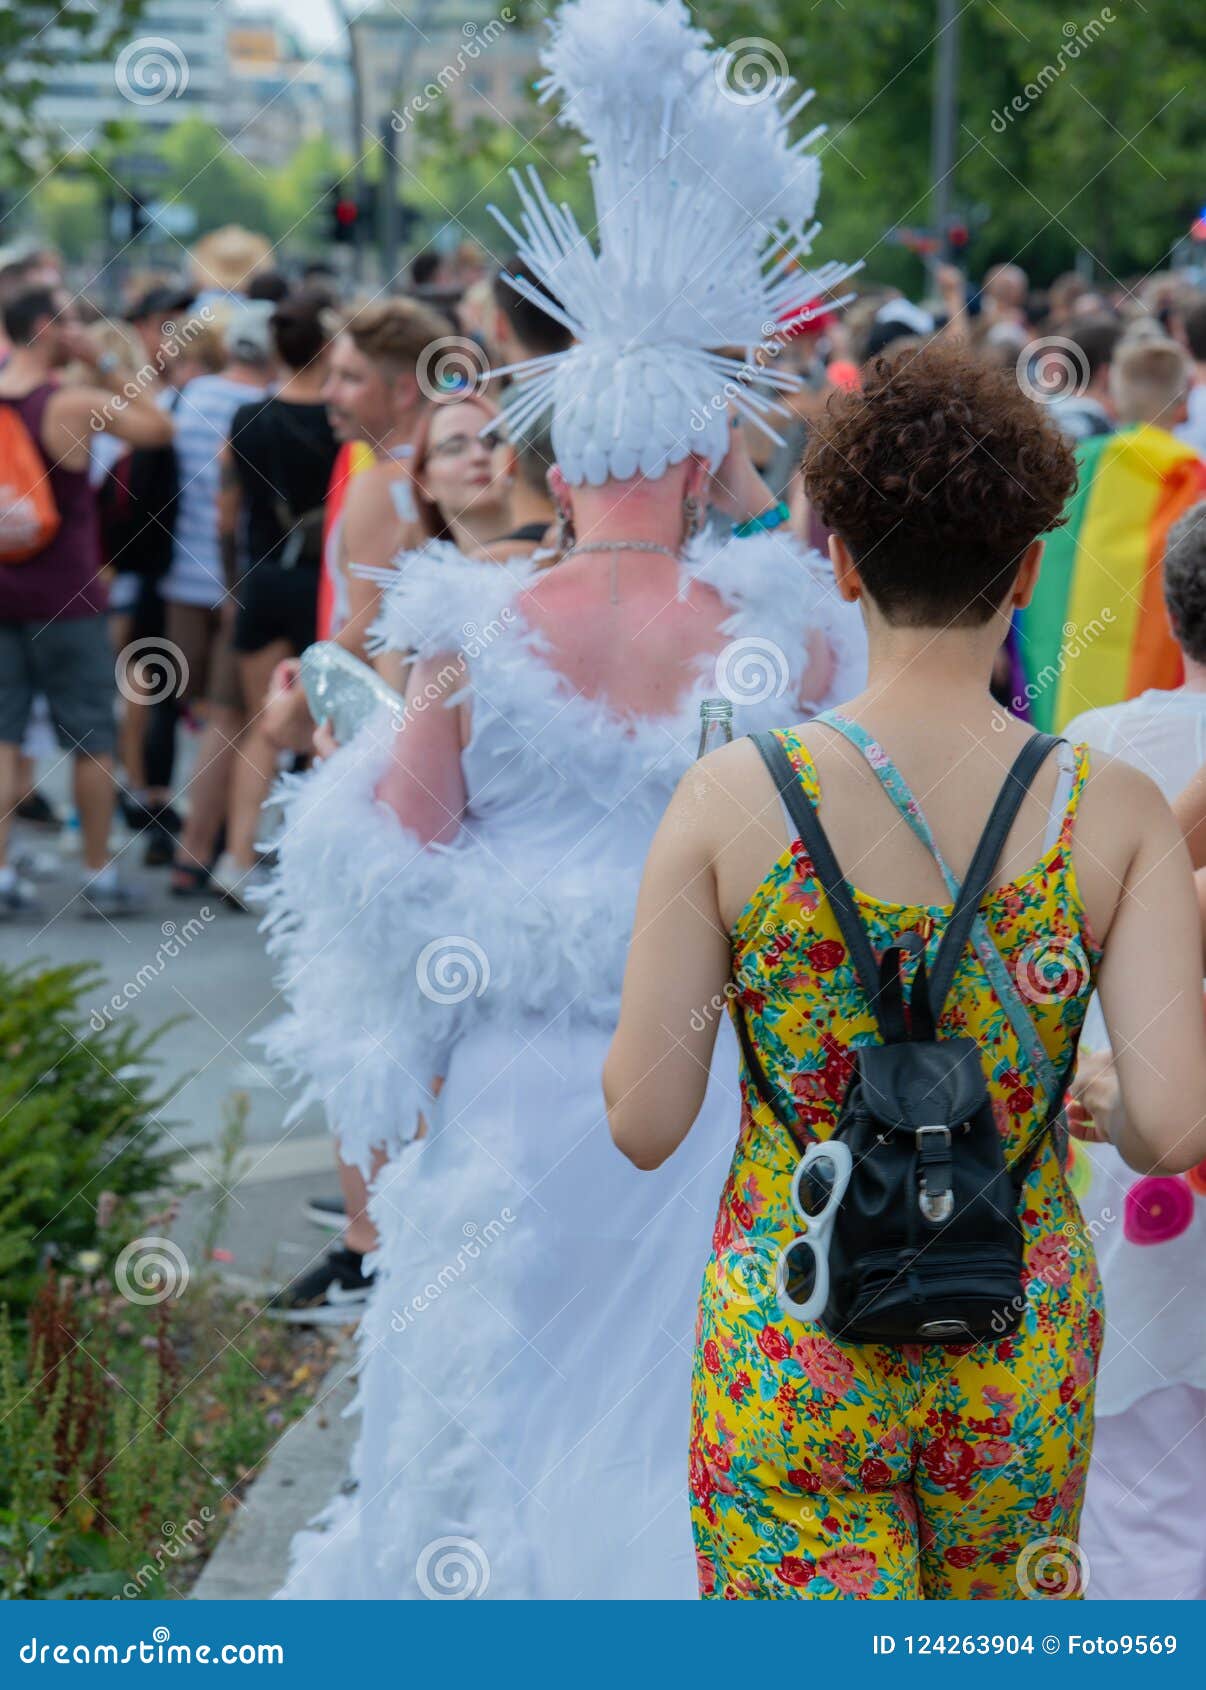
[
  {"x": 461, "y": 481},
  {"x": 820, "y": 1466}
]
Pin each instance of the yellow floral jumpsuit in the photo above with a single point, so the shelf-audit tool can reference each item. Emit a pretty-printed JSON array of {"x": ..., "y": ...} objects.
[{"x": 823, "y": 1468}]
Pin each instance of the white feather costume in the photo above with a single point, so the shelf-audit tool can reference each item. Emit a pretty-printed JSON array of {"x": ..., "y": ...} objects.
[{"x": 526, "y": 1355}]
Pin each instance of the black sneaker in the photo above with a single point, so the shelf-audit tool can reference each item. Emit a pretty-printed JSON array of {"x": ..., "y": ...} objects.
[
  {"x": 328, "y": 1212},
  {"x": 332, "y": 1293},
  {"x": 34, "y": 808}
]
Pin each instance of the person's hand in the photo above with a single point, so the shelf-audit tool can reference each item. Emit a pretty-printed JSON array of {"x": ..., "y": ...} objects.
[
  {"x": 285, "y": 719},
  {"x": 1094, "y": 1108},
  {"x": 737, "y": 488},
  {"x": 325, "y": 742}
]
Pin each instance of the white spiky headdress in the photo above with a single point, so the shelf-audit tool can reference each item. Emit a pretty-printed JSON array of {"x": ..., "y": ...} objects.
[{"x": 704, "y": 212}]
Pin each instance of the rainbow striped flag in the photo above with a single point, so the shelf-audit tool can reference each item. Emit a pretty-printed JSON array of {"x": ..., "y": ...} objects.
[{"x": 1096, "y": 630}]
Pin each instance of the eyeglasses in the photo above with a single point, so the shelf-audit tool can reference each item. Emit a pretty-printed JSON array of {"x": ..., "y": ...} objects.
[
  {"x": 817, "y": 1189},
  {"x": 457, "y": 445}
]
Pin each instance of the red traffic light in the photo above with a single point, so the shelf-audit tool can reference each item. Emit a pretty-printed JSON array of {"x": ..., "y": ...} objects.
[{"x": 346, "y": 212}]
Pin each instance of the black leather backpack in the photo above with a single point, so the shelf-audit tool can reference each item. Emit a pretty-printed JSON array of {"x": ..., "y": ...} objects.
[{"x": 926, "y": 1244}]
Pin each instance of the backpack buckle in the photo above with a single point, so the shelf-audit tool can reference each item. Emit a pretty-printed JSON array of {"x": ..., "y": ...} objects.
[{"x": 935, "y": 1199}]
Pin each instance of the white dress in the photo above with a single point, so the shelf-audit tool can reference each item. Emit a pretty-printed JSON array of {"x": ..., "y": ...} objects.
[{"x": 526, "y": 1357}]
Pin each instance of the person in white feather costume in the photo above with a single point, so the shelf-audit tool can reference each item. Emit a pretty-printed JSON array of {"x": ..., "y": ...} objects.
[{"x": 456, "y": 888}]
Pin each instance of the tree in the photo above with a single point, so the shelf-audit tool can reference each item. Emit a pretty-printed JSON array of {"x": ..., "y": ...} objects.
[
  {"x": 461, "y": 170},
  {"x": 1103, "y": 158},
  {"x": 209, "y": 176},
  {"x": 70, "y": 214},
  {"x": 36, "y": 37}
]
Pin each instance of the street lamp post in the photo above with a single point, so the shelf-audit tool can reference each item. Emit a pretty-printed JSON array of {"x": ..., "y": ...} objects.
[
  {"x": 943, "y": 125},
  {"x": 348, "y": 25}
]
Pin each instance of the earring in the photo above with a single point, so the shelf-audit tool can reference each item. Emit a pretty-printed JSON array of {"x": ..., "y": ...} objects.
[
  {"x": 692, "y": 518},
  {"x": 565, "y": 529}
]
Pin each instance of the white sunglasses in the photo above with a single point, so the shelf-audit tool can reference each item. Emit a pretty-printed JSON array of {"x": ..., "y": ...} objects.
[{"x": 817, "y": 1189}]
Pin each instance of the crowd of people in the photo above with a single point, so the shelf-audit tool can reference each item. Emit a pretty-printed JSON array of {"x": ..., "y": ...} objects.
[{"x": 892, "y": 543}]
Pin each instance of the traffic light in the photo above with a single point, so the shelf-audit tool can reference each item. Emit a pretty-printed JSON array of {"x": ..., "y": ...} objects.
[{"x": 344, "y": 214}]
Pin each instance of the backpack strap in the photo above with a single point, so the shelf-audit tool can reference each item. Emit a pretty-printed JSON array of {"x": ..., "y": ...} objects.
[
  {"x": 776, "y": 1100},
  {"x": 984, "y": 863},
  {"x": 995, "y": 966},
  {"x": 833, "y": 882}
]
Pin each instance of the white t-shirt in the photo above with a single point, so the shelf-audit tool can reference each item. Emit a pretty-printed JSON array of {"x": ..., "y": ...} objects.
[
  {"x": 203, "y": 417},
  {"x": 1163, "y": 733}
]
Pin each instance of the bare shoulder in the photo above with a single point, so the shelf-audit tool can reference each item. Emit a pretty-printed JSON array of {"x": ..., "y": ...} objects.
[
  {"x": 370, "y": 490},
  {"x": 726, "y": 793},
  {"x": 1123, "y": 818},
  {"x": 1119, "y": 802}
]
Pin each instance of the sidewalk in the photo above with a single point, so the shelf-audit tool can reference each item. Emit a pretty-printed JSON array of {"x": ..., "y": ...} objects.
[{"x": 300, "y": 1477}]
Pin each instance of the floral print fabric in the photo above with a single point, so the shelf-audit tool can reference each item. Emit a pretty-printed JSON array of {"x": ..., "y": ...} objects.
[{"x": 828, "y": 1469}]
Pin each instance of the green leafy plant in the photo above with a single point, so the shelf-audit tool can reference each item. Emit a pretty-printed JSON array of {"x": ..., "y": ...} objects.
[
  {"x": 79, "y": 1119},
  {"x": 90, "y": 1461}
]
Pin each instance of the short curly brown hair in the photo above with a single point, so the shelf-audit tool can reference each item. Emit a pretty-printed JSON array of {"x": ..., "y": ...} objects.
[{"x": 938, "y": 475}]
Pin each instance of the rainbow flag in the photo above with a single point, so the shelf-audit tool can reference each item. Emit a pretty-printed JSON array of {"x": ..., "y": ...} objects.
[{"x": 1096, "y": 631}]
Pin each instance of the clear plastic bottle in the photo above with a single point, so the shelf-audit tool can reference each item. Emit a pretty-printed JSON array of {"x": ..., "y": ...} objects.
[{"x": 715, "y": 724}]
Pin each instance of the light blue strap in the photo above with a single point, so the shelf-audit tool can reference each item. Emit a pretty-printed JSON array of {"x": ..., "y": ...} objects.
[{"x": 994, "y": 964}]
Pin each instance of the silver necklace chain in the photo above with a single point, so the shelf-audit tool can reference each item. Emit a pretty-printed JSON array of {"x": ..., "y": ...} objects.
[
  {"x": 618, "y": 546},
  {"x": 614, "y": 546}
]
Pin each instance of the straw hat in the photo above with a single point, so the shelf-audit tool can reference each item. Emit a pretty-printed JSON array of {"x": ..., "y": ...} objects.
[{"x": 226, "y": 258}]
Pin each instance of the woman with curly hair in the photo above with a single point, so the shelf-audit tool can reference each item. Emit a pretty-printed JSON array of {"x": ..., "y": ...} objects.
[{"x": 823, "y": 1466}]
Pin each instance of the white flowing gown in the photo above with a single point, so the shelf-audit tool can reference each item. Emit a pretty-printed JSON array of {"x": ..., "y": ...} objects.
[{"x": 526, "y": 1356}]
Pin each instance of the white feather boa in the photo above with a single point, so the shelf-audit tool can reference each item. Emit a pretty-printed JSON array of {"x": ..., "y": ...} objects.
[{"x": 388, "y": 951}]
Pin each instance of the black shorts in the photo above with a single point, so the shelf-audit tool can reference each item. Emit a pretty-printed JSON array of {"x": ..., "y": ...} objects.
[{"x": 276, "y": 604}]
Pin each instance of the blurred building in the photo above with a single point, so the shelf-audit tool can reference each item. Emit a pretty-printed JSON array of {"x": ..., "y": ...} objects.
[
  {"x": 174, "y": 67},
  {"x": 279, "y": 93},
  {"x": 462, "y": 52}
]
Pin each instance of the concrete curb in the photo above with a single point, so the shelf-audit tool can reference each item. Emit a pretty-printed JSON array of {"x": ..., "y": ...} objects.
[{"x": 301, "y": 1476}]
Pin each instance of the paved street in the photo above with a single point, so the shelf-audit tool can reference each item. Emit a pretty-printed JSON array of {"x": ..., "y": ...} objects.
[{"x": 218, "y": 990}]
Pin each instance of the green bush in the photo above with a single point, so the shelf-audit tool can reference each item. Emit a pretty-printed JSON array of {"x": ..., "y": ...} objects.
[{"x": 78, "y": 1118}]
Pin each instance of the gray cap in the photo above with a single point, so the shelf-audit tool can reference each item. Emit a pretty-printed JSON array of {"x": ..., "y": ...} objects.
[{"x": 248, "y": 332}]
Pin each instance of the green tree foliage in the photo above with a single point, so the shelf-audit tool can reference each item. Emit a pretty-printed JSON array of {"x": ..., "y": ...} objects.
[
  {"x": 1106, "y": 157},
  {"x": 459, "y": 171},
  {"x": 36, "y": 37}
]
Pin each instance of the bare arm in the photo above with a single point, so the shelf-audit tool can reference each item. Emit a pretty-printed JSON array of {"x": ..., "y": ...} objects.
[
  {"x": 372, "y": 537},
  {"x": 656, "y": 1072},
  {"x": 1190, "y": 810},
  {"x": 75, "y": 414},
  {"x": 424, "y": 784},
  {"x": 1151, "y": 993}
]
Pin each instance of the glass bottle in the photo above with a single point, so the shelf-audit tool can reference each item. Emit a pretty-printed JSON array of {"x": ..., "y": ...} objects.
[{"x": 715, "y": 724}]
